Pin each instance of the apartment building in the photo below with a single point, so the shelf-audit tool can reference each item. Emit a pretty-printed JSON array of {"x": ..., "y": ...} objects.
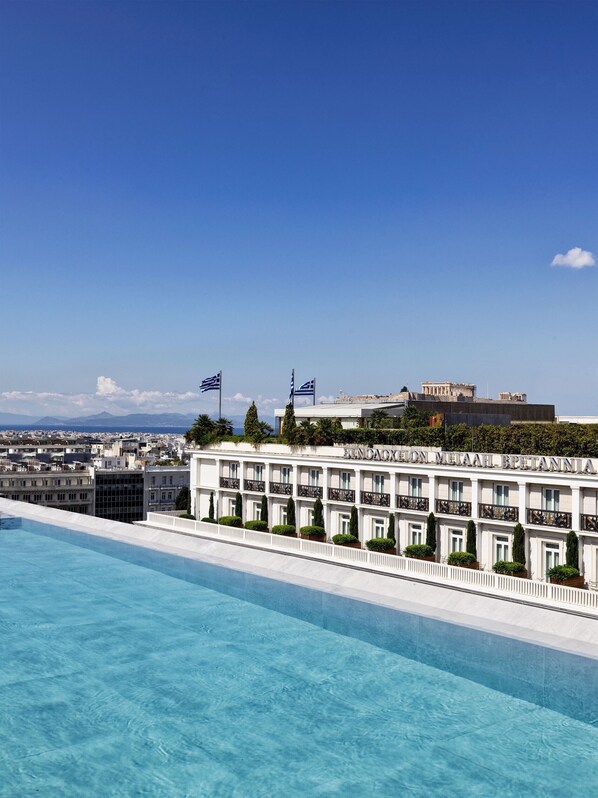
[{"x": 548, "y": 495}]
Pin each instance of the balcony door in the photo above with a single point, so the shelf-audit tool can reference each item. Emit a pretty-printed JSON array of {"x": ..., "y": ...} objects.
[
  {"x": 378, "y": 483},
  {"x": 550, "y": 499},
  {"x": 456, "y": 493},
  {"x": 501, "y": 495}
]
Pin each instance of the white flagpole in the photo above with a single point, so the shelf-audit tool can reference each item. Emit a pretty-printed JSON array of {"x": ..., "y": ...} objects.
[
  {"x": 220, "y": 395},
  {"x": 314, "y": 391},
  {"x": 293, "y": 388}
]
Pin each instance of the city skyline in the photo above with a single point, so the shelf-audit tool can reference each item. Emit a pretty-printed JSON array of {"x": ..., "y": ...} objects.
[{"x": 372, "y": 193}]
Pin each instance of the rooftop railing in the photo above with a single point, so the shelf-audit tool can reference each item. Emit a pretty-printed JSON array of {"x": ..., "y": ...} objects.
[{"x": 485, "y": 582}]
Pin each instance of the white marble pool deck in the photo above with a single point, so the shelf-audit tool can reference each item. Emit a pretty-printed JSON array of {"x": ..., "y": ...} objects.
[{"x": 565, "y": 628}]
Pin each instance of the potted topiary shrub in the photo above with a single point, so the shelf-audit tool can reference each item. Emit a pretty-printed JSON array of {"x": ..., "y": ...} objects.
[
  {"x": 313, "y": 532},
  {"x": 419, "y": 551},
  {"x": 385, "y": 545},
  {"x": 566, "y": 575},
  {"x": 464, "y": 559},
  {"x": 346, "y": 540},
  {"x": 507, "y": 568},
  {"x": 288, "y": 530},
  {"x": 230, "y": 520},
  {"x": 257, "y": 525}
]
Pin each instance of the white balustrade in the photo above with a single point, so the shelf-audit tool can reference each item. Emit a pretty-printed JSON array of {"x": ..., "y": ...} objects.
[{"x": 484, "y": 581}]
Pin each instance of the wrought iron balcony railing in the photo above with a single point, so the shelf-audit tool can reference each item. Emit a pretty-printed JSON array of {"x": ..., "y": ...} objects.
[
  {"x": 498, "y": 512},
  {"x": 379, "y": 499},
  {"x": 589, "y": 523},
  {"x": 448, "y": 507},
  {"x": 310, "y": 491},
  {"x": 413, "y": 503},
  {"x": 341, "y": 495},
  {"x": 257, "y": 485},
  {"x": 229, "y": 482},
  {"x": 283, "y": 488},
  {"x": 549, "y": 518}
]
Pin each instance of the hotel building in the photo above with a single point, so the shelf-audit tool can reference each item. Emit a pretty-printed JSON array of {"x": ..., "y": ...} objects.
[{"x": 548, "y": 495}]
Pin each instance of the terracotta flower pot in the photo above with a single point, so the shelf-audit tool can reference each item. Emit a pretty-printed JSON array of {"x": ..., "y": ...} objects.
[{"x": 574, "y": 581}]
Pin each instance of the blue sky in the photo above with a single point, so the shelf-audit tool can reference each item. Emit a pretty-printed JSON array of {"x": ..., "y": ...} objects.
[{"x": 372, "y": 193}]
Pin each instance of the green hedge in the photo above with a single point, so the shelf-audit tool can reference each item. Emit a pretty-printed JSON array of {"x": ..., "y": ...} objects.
[
  {"x": 418, "y": 551},
  {"x": 460, "y": 558},
  {"x": 313, "y": 531},
  {"x": 552, "y": 439},
  {"x": 283, "y": 529},
  {"x": 562, "y": 572},
  {"x": 381, "y": 544},
  {"x": 342, "y": 539},
  {"x": 509, "y": 568},
  {"x": 259, "y": 526},
  {"x": 187, "y": 515},
  {"x": 209, "y": 520},
  {"x": 230, "y": 520}
]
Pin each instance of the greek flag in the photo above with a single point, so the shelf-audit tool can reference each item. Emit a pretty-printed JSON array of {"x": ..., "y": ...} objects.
[
  {"x": 307, "y": 389},
  {"x": 292, "y": 391},
  {"x": 210, "y": 383}
]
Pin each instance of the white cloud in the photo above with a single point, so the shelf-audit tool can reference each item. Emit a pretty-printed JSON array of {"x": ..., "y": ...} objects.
[
  {"x": 576, "y": 258},
  {"x": 106, "y": 386}
]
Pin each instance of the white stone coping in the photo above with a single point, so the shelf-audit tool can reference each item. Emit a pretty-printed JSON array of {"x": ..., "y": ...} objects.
[{"x": 565, "y": 630}]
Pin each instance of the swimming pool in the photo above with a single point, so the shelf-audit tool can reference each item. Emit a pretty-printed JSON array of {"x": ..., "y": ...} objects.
[{"x": 128, "y": 672}]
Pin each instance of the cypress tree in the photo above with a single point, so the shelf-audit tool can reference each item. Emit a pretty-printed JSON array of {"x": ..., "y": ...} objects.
[
  {"x": 183, "y": 499},
  {"x": 291, "y": 512},
  {"x": 391, "y": 527},
  {"x": 239, "y": 505},
  {"x": 471, "y": 543},
  {"x": 289, "y": 425},
  {"x": 354, "y": 522},
  {"x": 211, "y": 508},
  {"x": 519, "y": 545},
  {"x": 251, "y": 427},
  {"x": 318, "y": 513},
  {"x": 431, "y": 532},
  {"x": 572, "y": 549},
  {"x": 264, "y": 509}
]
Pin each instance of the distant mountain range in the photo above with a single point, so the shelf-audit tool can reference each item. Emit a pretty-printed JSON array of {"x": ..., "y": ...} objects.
[{"x": 109, "y": 421}]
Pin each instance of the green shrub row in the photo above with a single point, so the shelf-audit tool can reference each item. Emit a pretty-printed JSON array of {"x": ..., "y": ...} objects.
[
  {"x": 230, "y": 520},
  {"x": 259, "y": 526},
  {"x": 460, "y": 558},
  {"x": 509, "y": 568},
  {"x": 313, "y": 531},
  {"x": 380, "y": 544},
  {"x": 342, "y": 539},
  {"x": 283, "y": 529},
  {"x": 562, "y": 572},
  {"x": 418, "y": 551},
  {"x": 209, "y": 520}
]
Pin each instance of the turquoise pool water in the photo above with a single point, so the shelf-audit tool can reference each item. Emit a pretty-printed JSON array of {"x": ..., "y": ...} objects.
[{"x": 125, "y": 672}]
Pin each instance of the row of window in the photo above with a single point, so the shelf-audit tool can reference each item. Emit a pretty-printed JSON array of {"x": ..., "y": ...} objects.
[
  {"x": 181, "y": 480},
  {"x": 550, "y": 496},
  {"x": 50, "y": 497},
  {"x": 33, "y": 483}
]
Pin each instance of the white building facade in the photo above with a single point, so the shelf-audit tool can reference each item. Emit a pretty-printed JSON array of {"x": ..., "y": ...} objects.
[{"x": 548, "y": 495}]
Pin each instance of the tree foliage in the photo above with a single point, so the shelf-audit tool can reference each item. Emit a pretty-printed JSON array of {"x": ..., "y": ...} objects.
[
  {"x": 205, "y": 430},
  {"x": 354, "y": 522},
  {"x": 391, "y": 526},
  {"x": 211, "y": 507},
  {"x": 264, "y": 509},
  {"x": 251, "y": 421},
  {"x": 518, "y": 552},
  {"x": 183, "y": 499},
  {"x": 471, "y": 541},
  {"x": 291, "y": 520},
  {"x": 572, "y": 550},
  {"x": 431, "y": 532},
  {"x": 289, "y": 426},
  {"x": 318, "y": 514}
]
